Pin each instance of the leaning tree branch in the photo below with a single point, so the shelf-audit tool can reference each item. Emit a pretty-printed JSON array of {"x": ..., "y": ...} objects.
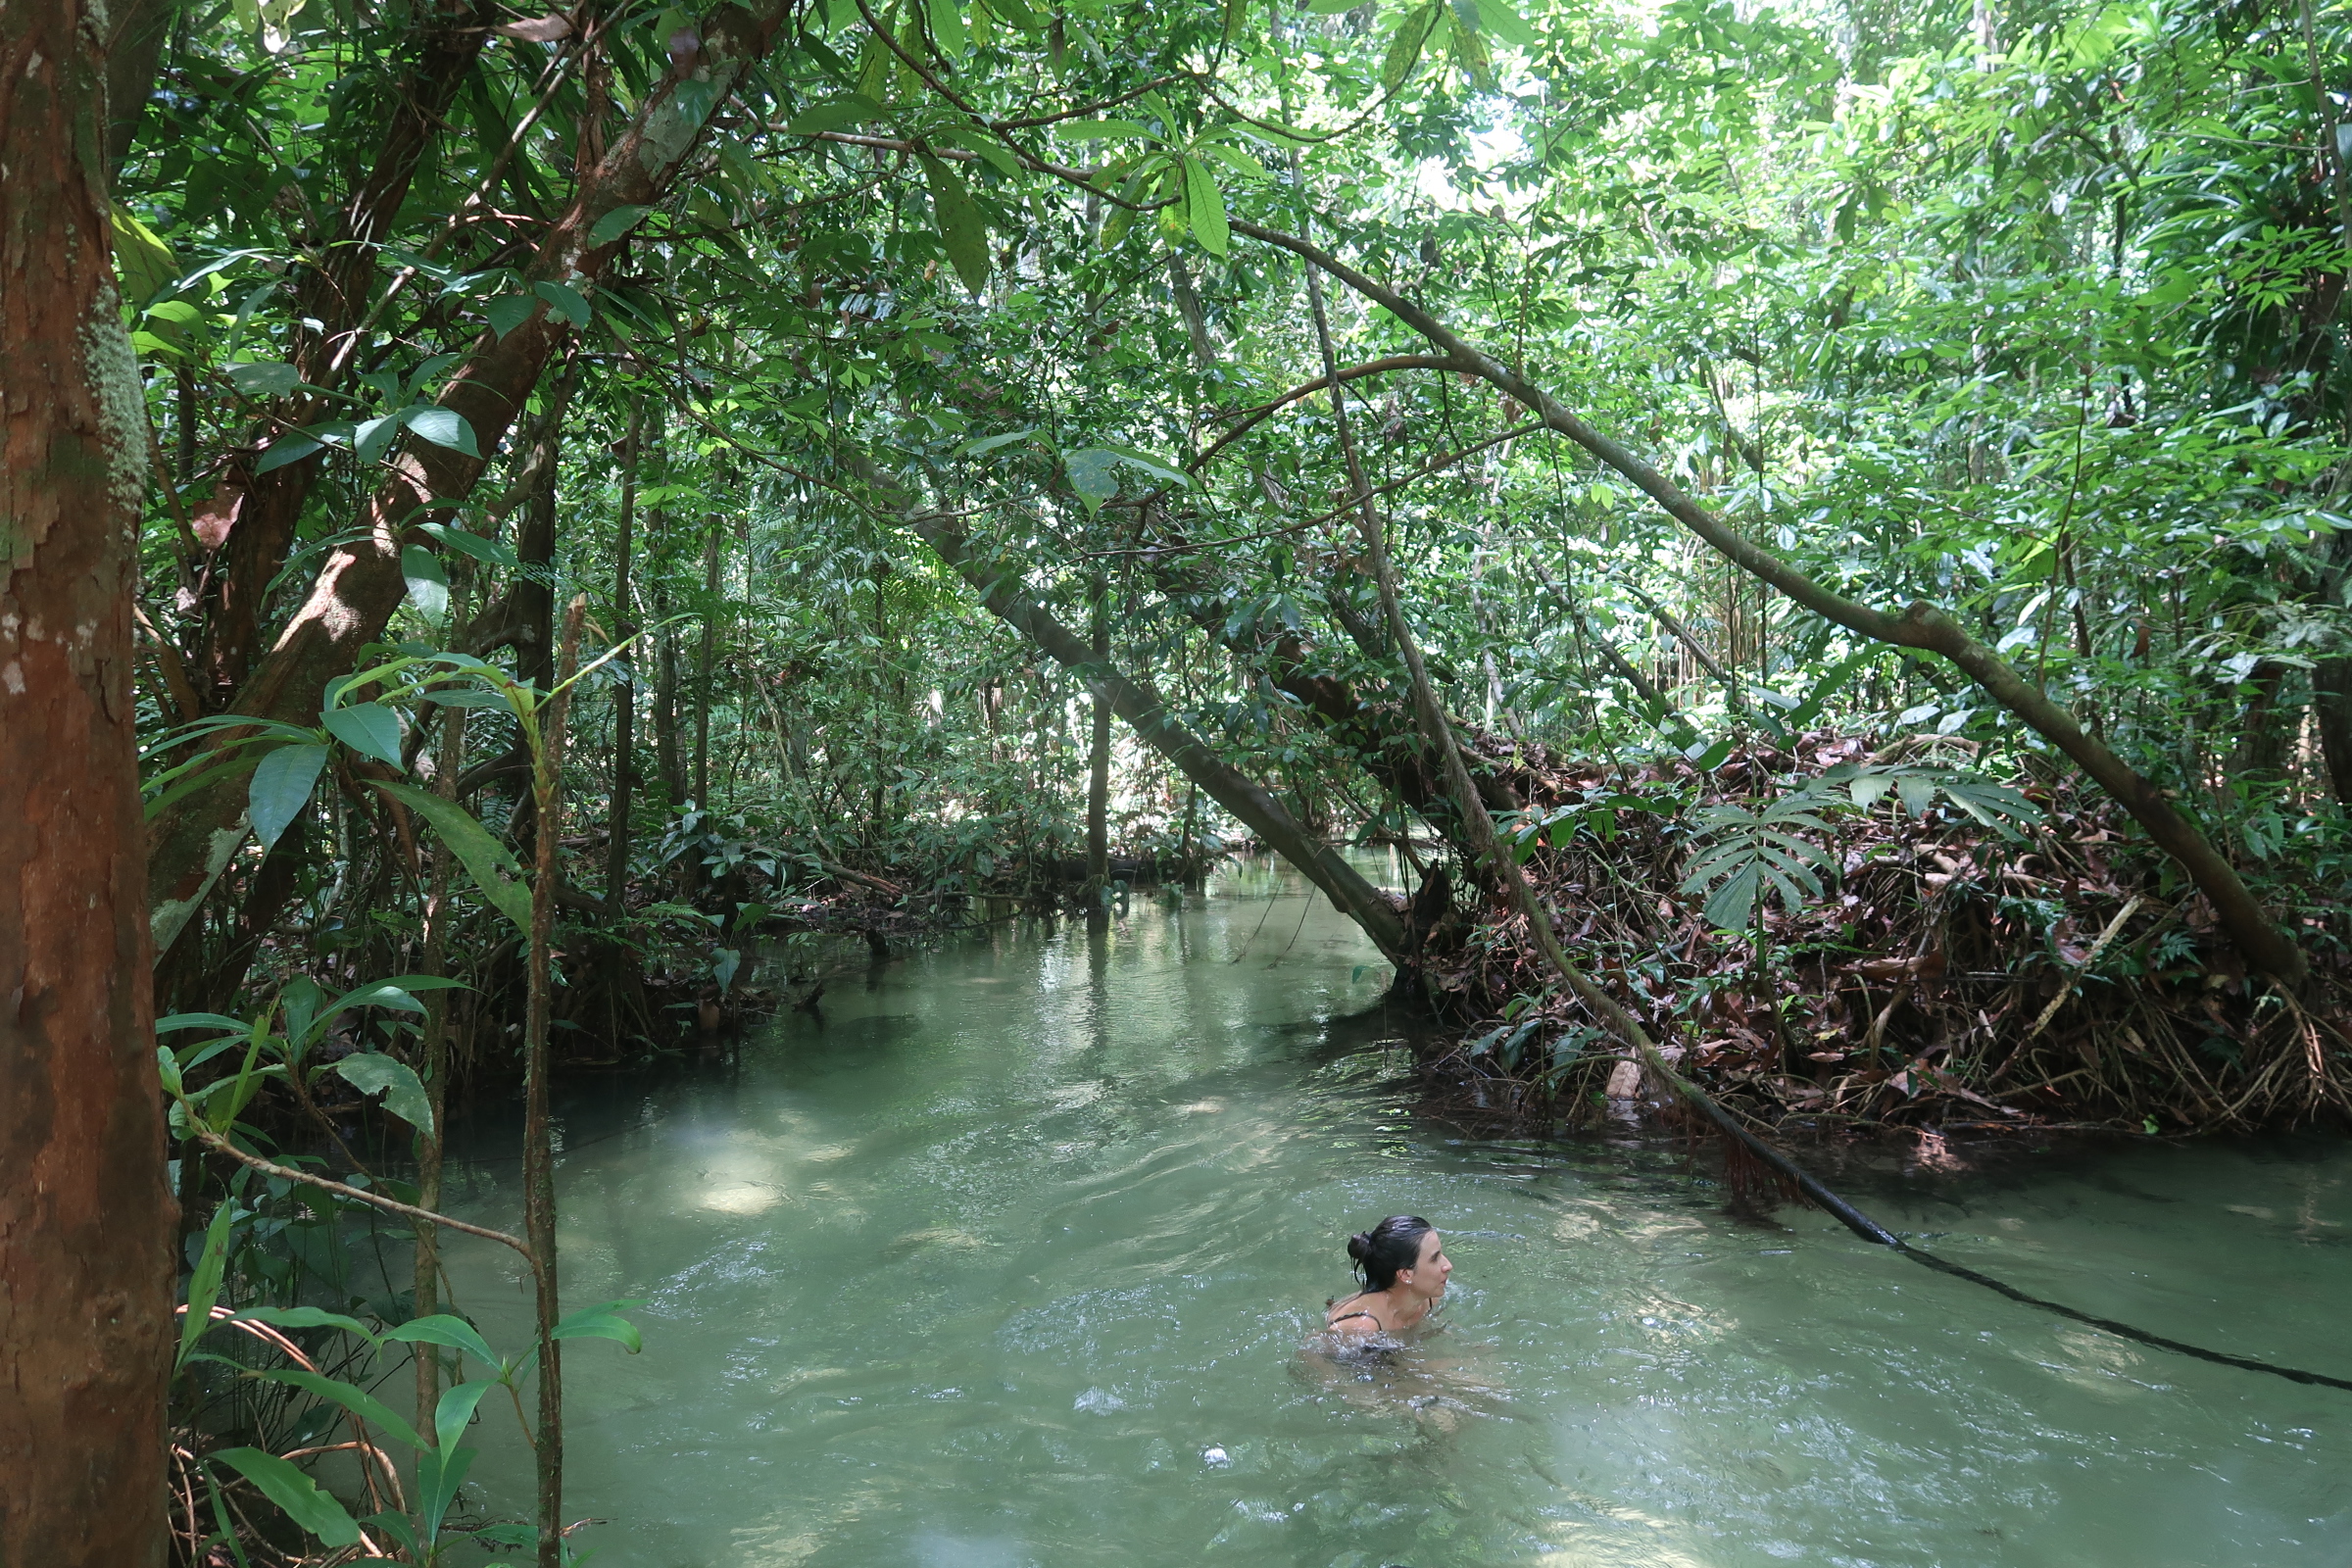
[{"x": 1921, "y": 624}]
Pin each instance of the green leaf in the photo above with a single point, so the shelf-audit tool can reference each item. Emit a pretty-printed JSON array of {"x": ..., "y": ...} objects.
[
  {"x": 1237, "y": 18},
  {"x": 987, "y": 444},
  {"x": 282, "y": 786},
  {"x": 1869, "y": 789},
  {"x": 836, "y": 115},
  {"x": 372, "y": 438},
  {"x": 1098, "y": 130},
  {"x": 443, "y": 427},
  {"x": 491, "y": 551},
  {"x": 946, "y": 26},
  {"x": 1917, "y": 791},
  {"x": 601, "y": 1322},
  {"x": 617, "y": 222},
  {"x": 1405, "y": 49},
  {"x": 456, "y": 1334},
  {"x": 429, "y": 584},
  {"x": 508, "y": 312},
  {"x": 369, "y": 728},
  {"x": 295, "y": 1493},
  {"x": 1093, "y": 475},
  {"x": 199, "y": 1020},
  {"x": 1730, "y": 904},
  {"x": 263, "y": 378},
  {"x": 358, "y": 1401},
  {"x": 962, "y": 232},
  {"x": 1206, "y": 206},
  {"x": 482, "y": 855},
  {"x": 1499, "y": 21},
  {"x": 372, "y": 1072},
  {"x": 563, "y": 297},
  {"x": 144, "y": 264},
  {"x": 292, "y": 447},
  {"x": 204, "y": 1284},
  {"x": 303, "y": 1317},
  {"x": 1234, "y": 158}
]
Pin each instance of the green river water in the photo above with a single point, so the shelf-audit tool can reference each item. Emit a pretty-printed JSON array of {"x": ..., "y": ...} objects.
[{"x": 1009, "y": 1260}]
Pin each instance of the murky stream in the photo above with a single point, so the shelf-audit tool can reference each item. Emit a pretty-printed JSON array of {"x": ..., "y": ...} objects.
[{"x": 1009, "y": 1260}]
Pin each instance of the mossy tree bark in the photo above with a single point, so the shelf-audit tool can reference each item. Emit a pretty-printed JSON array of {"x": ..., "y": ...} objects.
[{"x": 86, "y": 1221}]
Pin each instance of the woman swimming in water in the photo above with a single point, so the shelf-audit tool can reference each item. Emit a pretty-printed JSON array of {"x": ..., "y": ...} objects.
[{"x": 1404, "y": 1268}]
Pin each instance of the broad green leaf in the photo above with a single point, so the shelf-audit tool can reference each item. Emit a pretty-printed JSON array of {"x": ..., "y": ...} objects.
[
  {"x": 456, "y": 1408},
  {"x": 438, "y": 1478},
  {"x": 614, "y": 223},
  {"x": 563, "y": 297},
  {"x": 199, "y": 1020},
  {"x": 1096, "y": 129},
  {"x": 482, "y": 855},
  {"x": 1237, "y": 19},
  {"x": 1470, "y": 49},
  {"x": 1501, "y": 21},
  {"x": 988, "y": 444},
  {"x": 1234, "y": 158},
  {"x": 443, "y": 427},
  {"x": 1205, "y": 205},
  {"x": 1869, "y": 789},
  {"x": 371, "y": 1072},
  {"x": 369, "y": 728},
  {"x": 1730, "y": 904},
  {"x": 1917, "y": 791},
  {"x": 1093, "y": 475},
  {"x": 491, "y": 551},
  {"x": 292, "y": 447},
  {"x": 204, "y": 1283},
  {"x": 456, "y": 1334},
  {"x": 295, "y": 1493},
  {"x": 962, "y": 232},
  {"x": 145, "y": 265},
  {"x": 429, "y": 584},
  {"x": 837, "y": 115},
  {"x": 1405, "y": 49},
  {"x": 306, "y": 1317},
  {"x": 601, "y": 1322},
  {"x": 991, "y": 152},
  {"x": 946, "y": 26},
  {"x": 358, "y": 1401},
  {"x": 371, "y": 439},
  {"x": 263, "y": 378},
  {"x": 508, "y": 312},
  {"x": 282, "y": 786}
]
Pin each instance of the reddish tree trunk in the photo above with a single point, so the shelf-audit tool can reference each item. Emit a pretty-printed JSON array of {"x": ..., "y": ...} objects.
[{"x": 85, "y": 1219}]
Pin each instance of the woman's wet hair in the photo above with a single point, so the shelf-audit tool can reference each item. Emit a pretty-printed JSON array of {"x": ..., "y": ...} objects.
[{"x": 1391, "y": 1245}]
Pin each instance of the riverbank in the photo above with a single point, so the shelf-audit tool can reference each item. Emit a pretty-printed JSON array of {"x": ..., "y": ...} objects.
[{"x": 1836, "y": 935}]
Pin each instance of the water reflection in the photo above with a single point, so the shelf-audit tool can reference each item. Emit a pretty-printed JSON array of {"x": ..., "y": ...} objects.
[{"x": 1011, "y": 1260}]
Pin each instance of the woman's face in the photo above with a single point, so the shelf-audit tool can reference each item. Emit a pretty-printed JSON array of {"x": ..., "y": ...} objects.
[{"x": 1430, "y": 1271}]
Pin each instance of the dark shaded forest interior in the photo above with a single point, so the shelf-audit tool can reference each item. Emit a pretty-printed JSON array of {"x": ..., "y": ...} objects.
[{"x": 1815, "y": 532}]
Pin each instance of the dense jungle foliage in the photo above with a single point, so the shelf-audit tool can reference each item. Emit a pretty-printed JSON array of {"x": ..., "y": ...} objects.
[{"x": 1867, "y": 479}]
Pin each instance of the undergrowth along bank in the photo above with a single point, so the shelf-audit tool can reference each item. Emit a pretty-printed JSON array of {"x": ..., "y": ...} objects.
[{"x": 1843, "y": 934}]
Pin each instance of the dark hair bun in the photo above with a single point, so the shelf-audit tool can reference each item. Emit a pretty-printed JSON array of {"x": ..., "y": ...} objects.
[{"x": 1392, "y": 1245}]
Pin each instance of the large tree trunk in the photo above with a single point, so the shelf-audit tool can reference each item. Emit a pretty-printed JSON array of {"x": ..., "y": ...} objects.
[
  {"x": 2240, "y": 915},
  {"x": 360, "y": 584},
  {"x": 1148, "y": 713},
  {"x": 86, "y": 1218}
]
